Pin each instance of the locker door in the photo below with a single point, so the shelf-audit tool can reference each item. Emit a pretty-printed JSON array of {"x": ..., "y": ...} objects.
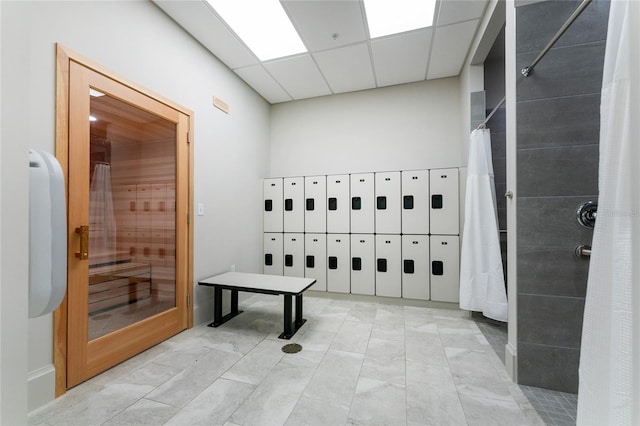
[
  {"x": 338, "y": 204},
  {"x": 272, "y": 262},
  {"x": 338, "y": 263},
  {"x": 362, "y": 204},
  {"x": 444, "y": 201},
  {"x": 415, "y": 267},
  {"x": 363, "y": 274},
  {"x": 315, "y": 260},
  {"x": 315, "y": 204},
  {"x": 387, "y": 203},
  {"x": 388, "y": 271},
  {"x": 415, "y": 202},
  {"x": 293, "y": 255},
  {"x": 445, "y": 268},
  {"x": 293, "y": 204},
  {"x": 273, "y": 205}
]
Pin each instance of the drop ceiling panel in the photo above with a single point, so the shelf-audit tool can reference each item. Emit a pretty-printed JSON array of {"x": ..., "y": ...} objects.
[
  {"x": 199, "y": 20},
  {"x": 347, "y": 69},
  {"x": 452, "y": 11},
  {"x": 450, "y": 47},
  {"x": 262, "y": 82},
  {"x": 317, "y": 21},
  {"x": 299, "y": 76},
  {"x": 402, "y": 58}
]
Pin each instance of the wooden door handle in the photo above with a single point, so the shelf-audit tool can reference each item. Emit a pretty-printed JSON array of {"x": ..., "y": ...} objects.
[{"x": 84, "y": 242}]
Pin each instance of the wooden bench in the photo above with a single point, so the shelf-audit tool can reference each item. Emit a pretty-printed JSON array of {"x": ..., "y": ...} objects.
[{"x": 259, "y": 283}]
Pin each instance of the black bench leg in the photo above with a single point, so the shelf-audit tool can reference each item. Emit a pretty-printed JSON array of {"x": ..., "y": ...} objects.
[
  {"x": 291, "y": 327},
  {"x": 218, "y": 319},
  {"x": 299, "y": 319}
]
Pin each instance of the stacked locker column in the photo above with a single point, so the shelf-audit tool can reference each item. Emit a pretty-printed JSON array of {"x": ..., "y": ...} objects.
[
  {"x": 388, "y": 228},
  {"x": 445, "y": 241},
  {"x": 273, "y": 227},
  {"x": 362, "y": 239},
  {"x": 315, "y": 228},
  {"x": 293, "y": 191},
  {"x": 415, "y": 235},
  {"x": 338, "y": 240}
]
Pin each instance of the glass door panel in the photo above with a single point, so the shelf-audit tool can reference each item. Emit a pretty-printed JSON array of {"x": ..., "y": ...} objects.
[{"x": 132, "y": 193}]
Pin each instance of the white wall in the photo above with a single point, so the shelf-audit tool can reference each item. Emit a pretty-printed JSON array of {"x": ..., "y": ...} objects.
[
  {"x": 411, "y": 126},
  {"x": 137, "y": 40}
]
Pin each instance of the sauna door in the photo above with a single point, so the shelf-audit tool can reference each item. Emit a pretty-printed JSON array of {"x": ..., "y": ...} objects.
[{"x": 128, "y": 188}]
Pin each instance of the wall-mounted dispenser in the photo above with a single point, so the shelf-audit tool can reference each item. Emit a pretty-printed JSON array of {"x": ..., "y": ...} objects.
[{"x": 47, "y": 234}]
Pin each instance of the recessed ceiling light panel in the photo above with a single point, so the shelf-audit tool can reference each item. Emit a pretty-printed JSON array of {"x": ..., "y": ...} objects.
[
  {"x": 262, "y": 25},
  {"x": 390, "y": 17}
]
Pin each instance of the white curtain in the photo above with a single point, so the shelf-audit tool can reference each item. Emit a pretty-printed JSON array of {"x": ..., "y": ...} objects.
[
  {"x": 481, "y": 276},
  {"x": 102, "y": 221},
  {"x": 609, "y": 389}
]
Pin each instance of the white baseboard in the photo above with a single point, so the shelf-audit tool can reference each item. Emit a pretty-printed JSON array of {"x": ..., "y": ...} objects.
[
  {"x": 41, "y": 385},
  {"x": 511, "y": 361}
]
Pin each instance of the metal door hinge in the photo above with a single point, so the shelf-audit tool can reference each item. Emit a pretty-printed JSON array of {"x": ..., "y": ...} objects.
[{"x": 189, "y": 138}]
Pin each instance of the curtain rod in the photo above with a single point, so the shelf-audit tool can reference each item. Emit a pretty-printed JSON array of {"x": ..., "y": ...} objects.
[{"x": 527, "y": 71}]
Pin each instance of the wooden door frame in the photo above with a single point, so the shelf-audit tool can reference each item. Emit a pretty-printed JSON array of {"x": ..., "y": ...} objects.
[{"x": 64, "y": 57}]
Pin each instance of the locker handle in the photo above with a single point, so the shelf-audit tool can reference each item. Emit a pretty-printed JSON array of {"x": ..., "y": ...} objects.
[
  {"x": 268, "y": 205},
  {"x": 310, "y": 204},
  {"x": 311, "y": 262},
  {"x": 382, "y": 265},
  {"x": 288, "y": 204},
  {"x": 333, "y": 204},
  {"x": 408, "y": 202},
  {"x": 356, "y": 203},
  {"x": 409, "y": 267},
  {"x": 268, "y": 259},
  {"x": 333, "y": 262},
  {"x": 436, "y": 201},
  {"x": 288, "y": 260},
  {"x": 437, "y": 267},
  {"x": 381, "y": 203},
  {"x": 356, "y": 264}
]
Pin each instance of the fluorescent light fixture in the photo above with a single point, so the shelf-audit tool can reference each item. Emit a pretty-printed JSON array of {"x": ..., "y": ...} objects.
[
  {"x": 396, "y": 16},
  {"x": 262, "y": 25}
]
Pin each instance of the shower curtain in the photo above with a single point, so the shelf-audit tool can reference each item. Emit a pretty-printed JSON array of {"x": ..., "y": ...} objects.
[
  {"x": 102, "y": 221},
  {"x": 481, "y": 276},
  {"x": 609, "y": 388}
]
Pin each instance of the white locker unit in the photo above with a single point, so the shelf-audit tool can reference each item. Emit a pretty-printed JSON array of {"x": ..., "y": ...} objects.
[
  {"x": 444, "y": 202},
  {"x": 415, "y": 267},
  {"x": 273, "y": 205},
  {"x": 362, "y": 203},
  {"x": 315, "y": 204},
  {"x": 293, "y": 189},
  {"x": 445, "y": 268},
  {"x": 387, "y": 204},
  {"x": 293, "y": 259},
  {"x": 388, "y": 270},
  {"x": 415, "y": 202},
  {"x": 315, "y": 260},
  {"x": 272, "y": 264},
  {"x": 338, "y": 204},
  {"x": 363, "y": 273},
  {"x": 338, "y": 263}
]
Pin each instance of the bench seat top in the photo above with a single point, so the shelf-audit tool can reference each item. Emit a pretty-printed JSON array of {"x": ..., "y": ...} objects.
[{"x": 259, "y": 283}]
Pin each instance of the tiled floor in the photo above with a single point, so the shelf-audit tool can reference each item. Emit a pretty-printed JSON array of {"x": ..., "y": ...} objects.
[
  {"x": 555, "y": 408},
  {"x": 362, "y": 363}
]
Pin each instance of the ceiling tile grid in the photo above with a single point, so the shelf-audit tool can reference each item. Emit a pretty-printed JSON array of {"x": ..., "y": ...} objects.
[{"x": 342, "y": 57}]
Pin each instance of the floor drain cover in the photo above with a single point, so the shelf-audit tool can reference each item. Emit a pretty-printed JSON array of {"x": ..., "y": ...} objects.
[{"x": 291, "y": 348}]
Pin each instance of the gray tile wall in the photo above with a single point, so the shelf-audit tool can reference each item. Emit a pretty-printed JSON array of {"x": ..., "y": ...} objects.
[{"x": 557, "y": 166}]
